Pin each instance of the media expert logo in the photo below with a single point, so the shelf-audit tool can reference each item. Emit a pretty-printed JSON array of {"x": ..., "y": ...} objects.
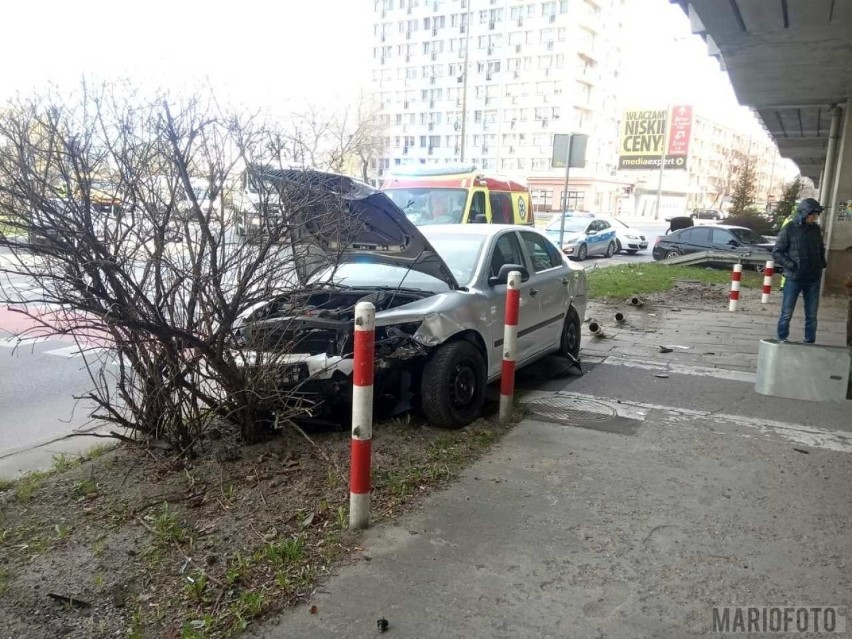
[
  {"x": 651, "y": 135},
  {"x": 789, "y": 619}
]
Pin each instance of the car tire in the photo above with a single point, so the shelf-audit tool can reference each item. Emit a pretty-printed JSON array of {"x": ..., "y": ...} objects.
[
  {"x": 610, "y": 250},
  {"x": 582, "y": 252},
  {"x": 618, "y": 247},
  {"x": 670, "y": 255},
  {"x": 453, "y": 386},
  {"x": 569, "y": 343},
  {"x": 632, "y": 252}
]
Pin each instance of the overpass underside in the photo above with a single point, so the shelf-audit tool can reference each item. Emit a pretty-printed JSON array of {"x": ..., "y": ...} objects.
[{"x": 791, "y": 61}]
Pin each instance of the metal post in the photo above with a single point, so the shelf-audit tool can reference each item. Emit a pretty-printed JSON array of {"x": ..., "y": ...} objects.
[
  {"x": 510, "y": 346},
  {"x": 829, "y": 193},
  {"x": 467, "y": 15},
  {"x": 362, "y": 415},
  {"x": 736, "y": 276},
  {"x": 768, "y": 272},
  {"x": 563, "y": 207},
  {"x": 663, "y": 160}
]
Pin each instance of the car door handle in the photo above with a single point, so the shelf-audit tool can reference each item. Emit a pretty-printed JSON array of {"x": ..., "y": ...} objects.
[{"x": 533, "y": 292}]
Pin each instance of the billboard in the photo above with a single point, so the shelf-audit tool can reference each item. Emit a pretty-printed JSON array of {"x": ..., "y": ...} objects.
[{"x": 646, "y": 133}]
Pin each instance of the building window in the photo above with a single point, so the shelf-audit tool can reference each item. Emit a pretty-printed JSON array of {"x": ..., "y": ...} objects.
[
  {"x": 576, "y": 200},
  {"x": 541, "y": 199}
]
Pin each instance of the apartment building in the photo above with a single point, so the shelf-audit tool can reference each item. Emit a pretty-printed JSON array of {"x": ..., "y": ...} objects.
[
  {"x": 491, "y": 81},
  {"x": 716, "y": 156}
]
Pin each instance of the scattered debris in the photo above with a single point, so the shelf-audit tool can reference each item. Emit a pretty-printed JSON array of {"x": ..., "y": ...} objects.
[
  {"x": 596, "y": 329},
  {"x": 802, "y": 450},
  {"x": 677, "y": 346},
  {"x": 665, "y": 349},
  {"x": 382, "y": 624},
  {"x": 314, "y": 610},
  {"x": 662, "y": 375},
  {"x": 70, "y": 601}
]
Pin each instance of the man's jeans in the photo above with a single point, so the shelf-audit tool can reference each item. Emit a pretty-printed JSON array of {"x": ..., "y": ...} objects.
[{"x": 810, "y": 293}]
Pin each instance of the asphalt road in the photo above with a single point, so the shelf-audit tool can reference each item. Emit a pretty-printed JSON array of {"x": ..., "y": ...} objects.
[{"x": 39, "y": 379}]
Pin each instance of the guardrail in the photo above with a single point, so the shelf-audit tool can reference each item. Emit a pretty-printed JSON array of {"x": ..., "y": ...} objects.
[{"x": 718, "y": 257}]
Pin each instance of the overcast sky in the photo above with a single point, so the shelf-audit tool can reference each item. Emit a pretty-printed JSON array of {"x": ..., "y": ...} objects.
[{"x": 269, "y": 54}]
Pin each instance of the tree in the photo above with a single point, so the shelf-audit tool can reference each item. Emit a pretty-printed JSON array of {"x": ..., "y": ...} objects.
[
  {"x": 742, "y": 198},
  {"x": 732, "y": 161},
  {"x": 343, "y": 140},
  {"x": 787, "y": 204},
  {"x": 153, "y": 289}
]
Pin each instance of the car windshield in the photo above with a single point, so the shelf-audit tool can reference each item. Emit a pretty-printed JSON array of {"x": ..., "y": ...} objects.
[
  {"x": 747, "y": 236},
  {"x": 430, "y": 205},
  {"x": 572, "y": 225}
]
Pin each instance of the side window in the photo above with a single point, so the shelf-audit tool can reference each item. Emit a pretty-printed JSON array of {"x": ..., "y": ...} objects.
[
  {"x": 721, "y": 236},
  {"x": 595, "y": 225},
  {"x": 604, "y": 225},
  {"x": 686, "y": 236},
  {"x": 501, "y": 208},
  {"x": 700, "y": 236},
  {"x": 507, "y": 250},
  {"x": 477, "y": 206},
  {"x": 541, "y": 256}
]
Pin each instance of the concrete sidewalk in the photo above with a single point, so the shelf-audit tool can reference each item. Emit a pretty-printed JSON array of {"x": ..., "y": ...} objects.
[{"x": 635, "y": 499}]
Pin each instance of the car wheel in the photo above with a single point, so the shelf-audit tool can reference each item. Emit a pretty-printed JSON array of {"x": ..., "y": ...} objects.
[
  {"x": 569, "y": 344},
  {"x": 582, "y": 252},
  {"x": 453, "y": 386},
  {"x": 632, "y": 252},
  {"x": 618, "y": 246},
  {"x": 670, "y": 255},
  {"x": 610, "y": 250}
]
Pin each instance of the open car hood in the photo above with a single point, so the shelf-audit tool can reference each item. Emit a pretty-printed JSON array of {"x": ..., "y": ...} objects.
[{"x": 380, "y": 232}]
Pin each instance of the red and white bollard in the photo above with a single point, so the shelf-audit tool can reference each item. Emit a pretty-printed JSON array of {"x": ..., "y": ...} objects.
[
  {"x": 768, "y": 272},
  {"x": 736, "y": 276},
  {"x": 362, "y": 415},
  {"x": 510, "y": 346}
]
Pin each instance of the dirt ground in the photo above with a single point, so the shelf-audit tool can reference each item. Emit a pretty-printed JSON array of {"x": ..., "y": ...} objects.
[{"x": 137, "y": 544}]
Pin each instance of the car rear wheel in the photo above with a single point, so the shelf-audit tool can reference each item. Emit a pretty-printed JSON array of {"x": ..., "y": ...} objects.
[
  {"x": 569, "y": 344},
  {"x": 453, "y": 386},
  {"x": 670, "y": 255},
  {"x": 610, "y": 250},
  {"x": 582, "y": 252}
]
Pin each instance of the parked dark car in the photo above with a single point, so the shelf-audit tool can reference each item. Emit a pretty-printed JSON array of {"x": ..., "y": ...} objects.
[{"x": 734, "y": 239}]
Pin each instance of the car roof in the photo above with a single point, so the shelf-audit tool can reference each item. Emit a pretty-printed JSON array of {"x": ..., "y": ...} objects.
[{"x": 486, "y": 230}]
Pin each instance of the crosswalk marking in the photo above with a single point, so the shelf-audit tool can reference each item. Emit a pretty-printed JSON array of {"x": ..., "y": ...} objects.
[
  {"x": 75, "y": 351},
  {"x": 19, "y": 342}
]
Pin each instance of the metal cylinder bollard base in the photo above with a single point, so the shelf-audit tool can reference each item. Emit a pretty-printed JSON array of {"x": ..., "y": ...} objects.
[
  {"x": 635, "y": 301},
  {"x": 362, "y": 415},
  {"x": 768, "y": 272},
  {"x": 510, "y": 347},
  {"x": 596, "y": 329},
  {"x": 736, "y": 276},
  {"x": 619, "y": 317}
]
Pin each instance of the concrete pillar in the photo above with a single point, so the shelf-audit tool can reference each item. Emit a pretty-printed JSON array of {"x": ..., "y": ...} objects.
[
  {"x": 838, "y": 218},
  {"x": 827, "y": 176}
]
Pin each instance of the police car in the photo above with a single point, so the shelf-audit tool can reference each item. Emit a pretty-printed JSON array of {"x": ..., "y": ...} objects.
[{"x": 583, "y": 236}]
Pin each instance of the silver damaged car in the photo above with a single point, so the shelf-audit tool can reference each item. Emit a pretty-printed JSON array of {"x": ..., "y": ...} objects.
[{"x": 439, "y": 293}]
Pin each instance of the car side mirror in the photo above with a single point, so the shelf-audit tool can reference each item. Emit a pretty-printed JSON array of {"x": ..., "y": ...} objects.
[
  {"x": 479, "y": 218},
  {"x": 592, "y": 233},
  {"x": 733, "y": 243},
  {"x": 502, "y": 276}
]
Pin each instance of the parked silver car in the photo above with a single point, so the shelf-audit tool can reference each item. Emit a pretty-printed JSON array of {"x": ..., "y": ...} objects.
[{"x": 439, "y": 293}]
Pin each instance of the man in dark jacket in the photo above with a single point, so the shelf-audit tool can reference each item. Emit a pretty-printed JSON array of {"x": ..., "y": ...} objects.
[{"x": 800, "y": 252}]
